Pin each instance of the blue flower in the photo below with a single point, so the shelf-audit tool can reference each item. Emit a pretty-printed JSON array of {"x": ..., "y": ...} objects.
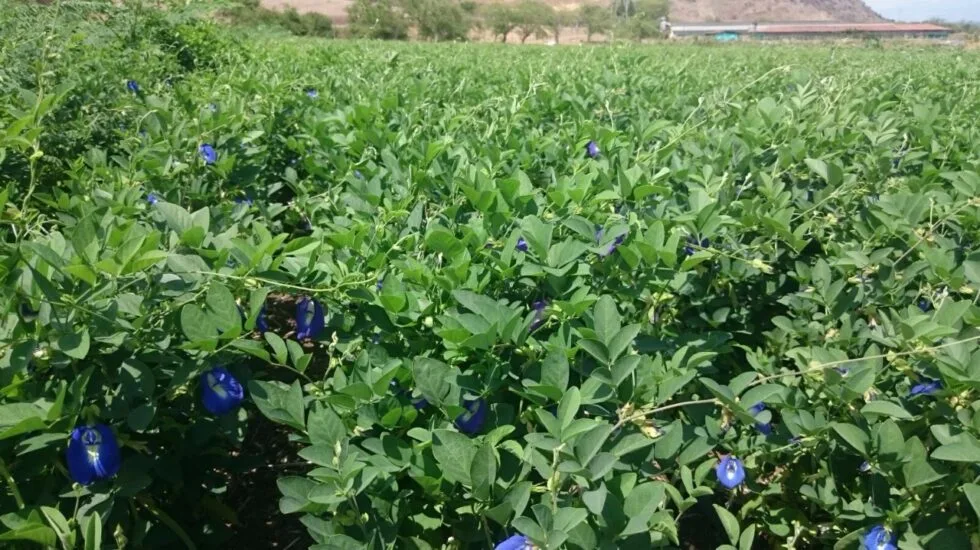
[
  {"x": 612, "y": 247},
  {"x": 380, "y": 284},
  {"x": 208, "y": 153},
  {"x": 599, "y": 232},
  {"x": 220, "y": 391},
  {"x": 93, "y": 454},
  {"x": 925, "y": 305},
  {"x": 764, "y": 427},
  {"x": 730, "y": 472},
  {"x": 592, "y": 149},
  {"x": 522, "y": 244},
  {"x": 312, "y": 93},
  {"x": 247, "y": 201},
  {"x": 865, "y": 467},
  {"x": 514, "y": 542},
  {"x": 152, "y": 199},
  {"x": 261, "y": 323},
  {"x": 471, "y": 421},
  {"x": 693, "y": 245},
  {"x": 843, "y": 371},
  {"x": 213, "y": 107},
  {"x": 538, "y": 318},
  {"x": 28, "y": 313},
  {"x": 358, "y": 174},
  {"x": 309, "y": 319},
  {"x": 926, "y": 388},
  {"x": 878, "y": 538},
  {"x": 133, "y": 86}
]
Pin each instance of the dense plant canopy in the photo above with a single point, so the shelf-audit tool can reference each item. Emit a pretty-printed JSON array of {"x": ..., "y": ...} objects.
[{"x": 613, "y": 297}]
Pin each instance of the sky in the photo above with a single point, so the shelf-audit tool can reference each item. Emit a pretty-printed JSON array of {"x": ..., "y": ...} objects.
[{"x": 919, "y": 10}]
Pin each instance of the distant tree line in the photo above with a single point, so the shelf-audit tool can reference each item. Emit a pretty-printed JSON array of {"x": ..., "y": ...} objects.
[{"x": 454, "y": 19}]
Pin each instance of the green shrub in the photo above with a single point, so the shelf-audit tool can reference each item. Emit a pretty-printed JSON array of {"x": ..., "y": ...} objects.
[{"x": 377, "y": 19}]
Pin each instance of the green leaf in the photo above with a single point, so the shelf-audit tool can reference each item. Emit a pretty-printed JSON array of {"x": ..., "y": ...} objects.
[
  {"x": 455, "y": 453},
  {"x": 747, "y": 538},
  {"x": 324, "y": 426},
  {"x": 606, "y": 320},
  {"x": 853, "y": 435},
  {"x": 972, "y": 492},
  {"x": 640, "y": 505},
  {"x": 196, "y": 324},
  {"x": 224, "y": 311},
  {"x": 85, "y": 241},
  {"x": 958, "y": 451},
  {"x": 568, "y": 407},
  {"x": 591, "y": 442},
  {"x": 729, "y": 522},
  {"x": 885, "y": 408},
  {"x": 279, "y": 402},
  {"x": 483, "y": 472},
  {"x": 554, "y": 370},
  {"x": 759, "y": 394},
  {"x": 92, "y": 532},
  {"x": 34, "y": 532},
  {"x": 278, "y": 347},
  {"x": 74, "y": 344},
  {"x": 830, "y": 172},
  {"x": 177, "y": 218}
]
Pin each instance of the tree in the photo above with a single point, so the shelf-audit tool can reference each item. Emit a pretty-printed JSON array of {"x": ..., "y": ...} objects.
[
  {"x": 438, "y": 19},
  {"x": 376, "y": 19},
  {"x": 556, "y": 20},
  {"x": 501, "y": 19},
  {"x": 533, "y": 17},
  {"x": 645, "y": 21},
  {"x": 596, "y": 20}
]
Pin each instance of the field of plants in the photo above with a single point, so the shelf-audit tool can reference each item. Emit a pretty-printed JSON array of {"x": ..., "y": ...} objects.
[{"x": 295, "y": 293}]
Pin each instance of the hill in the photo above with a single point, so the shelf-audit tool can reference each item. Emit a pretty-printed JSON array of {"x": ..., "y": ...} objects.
[
  {"x": 680, "y": 10},
  {"x": 772, "y": 10}
]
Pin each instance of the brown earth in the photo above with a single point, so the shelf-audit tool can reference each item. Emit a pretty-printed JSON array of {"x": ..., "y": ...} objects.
[{"x": 680, "y": 10}]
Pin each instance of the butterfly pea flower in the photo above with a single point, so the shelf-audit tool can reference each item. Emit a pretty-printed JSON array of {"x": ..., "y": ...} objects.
[
  {"x": 475, "y": 416},
  {"x": 358, "y": 174},
  {"x": 764, "y": 427},
  {"x": 730, "y": 472},
  {"x": 247, "y": 201},
  {"x": 926, "y": 388},
  {"x": 309, "y": 319},
  {"x": 220, "y": 391},
  {"x": 592, "y": 149},
  {"x": 213, "y": 107},
  {"x": 27, "y": 313},
  {"x": 208, "y": 153},
  {"x": 539, "y": 308},
  {"x": 925, "y": 305},
  {"x": 522, "y": 244},
  {"x": 133, "y": 86},
  {"x": 612, "y": 247},
  {"x": 865, "y": 467},
  {"x": 152, "y": 198},
  {"x": 515, "y": 542},
  {"x": 693, "y": 244},
  {"x": 312, "y": 93},
  {"x": 878, "y": 538},
  {"x": 380, "y": 284},
  {"x": 93, "y": 454},
  {"x": 420, "y": 403}
]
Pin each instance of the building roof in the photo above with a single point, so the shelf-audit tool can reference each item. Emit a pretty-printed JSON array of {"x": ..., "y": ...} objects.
[
  {"x": 806, "y": 27},
  {"x": 849, "y": 27}
]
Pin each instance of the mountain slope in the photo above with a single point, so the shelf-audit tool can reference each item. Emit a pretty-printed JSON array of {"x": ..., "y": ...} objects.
[
  {"x": 772, "y": 10},
  {"x": 680, "y": 10}
]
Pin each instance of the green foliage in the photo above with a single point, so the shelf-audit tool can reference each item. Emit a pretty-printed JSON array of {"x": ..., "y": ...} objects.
[
  {"x": 533, "y": 17},
  {"x": 380, "y": 19},
  {"x": 501, "y": 19},
  {"x": 305, "y": 24},
  {"x": 438, "y": 19},
  {"x": 773, "y": 255},
  {"x": 644, "y": 18}
]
